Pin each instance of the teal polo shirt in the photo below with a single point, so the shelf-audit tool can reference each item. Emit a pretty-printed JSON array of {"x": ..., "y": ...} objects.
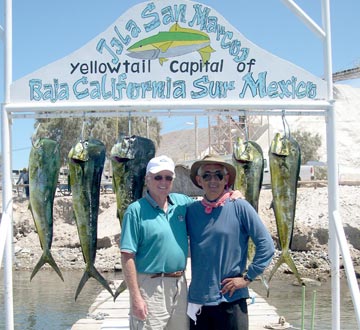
[{"x": 158, "y": 239}]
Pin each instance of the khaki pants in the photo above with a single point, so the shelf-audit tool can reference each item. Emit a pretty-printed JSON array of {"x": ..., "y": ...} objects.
[{"x": 166, "y": 299}]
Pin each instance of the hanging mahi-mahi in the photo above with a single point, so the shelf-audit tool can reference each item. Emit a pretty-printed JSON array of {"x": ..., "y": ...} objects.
[{"x": 285, "y": 159}]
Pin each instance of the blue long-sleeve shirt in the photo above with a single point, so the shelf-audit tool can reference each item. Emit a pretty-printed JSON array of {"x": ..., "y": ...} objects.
[{"x": 219, "y": 248}]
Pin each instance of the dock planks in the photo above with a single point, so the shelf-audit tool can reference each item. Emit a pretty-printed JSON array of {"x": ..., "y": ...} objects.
[{"x": 105, "y": 314}]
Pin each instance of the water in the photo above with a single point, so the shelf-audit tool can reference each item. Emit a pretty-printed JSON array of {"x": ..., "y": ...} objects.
[
  {"x": 287, "y": 298},
  {"x": 48, "y": 303}
]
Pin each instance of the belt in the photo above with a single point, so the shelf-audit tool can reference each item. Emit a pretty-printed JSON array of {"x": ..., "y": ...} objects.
[{"x": 174, "y": 274}]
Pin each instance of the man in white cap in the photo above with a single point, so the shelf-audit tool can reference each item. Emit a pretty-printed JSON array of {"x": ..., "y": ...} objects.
[
  {"x": 219, "y": 230},
  {"x": 154, "y": 249}
]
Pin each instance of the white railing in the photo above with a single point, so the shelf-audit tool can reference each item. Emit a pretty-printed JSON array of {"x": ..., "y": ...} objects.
[{"x": 349, "y": 268}]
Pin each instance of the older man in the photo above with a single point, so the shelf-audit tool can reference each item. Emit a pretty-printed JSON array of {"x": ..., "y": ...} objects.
[
  {"x": 219, "y": 230},
  {"x": 154, "y": 248}
]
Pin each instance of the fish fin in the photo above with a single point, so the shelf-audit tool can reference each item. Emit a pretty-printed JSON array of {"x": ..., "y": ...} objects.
[
  {"x": 122, "y": 287},
  {"x": 290, "y": 262},
  {"x": 97, "y": 276},
  {"x": 286, "y": 258},
  {"x": 165, "y": 46},
  {"x": 162, "y": 60},
  {"x": 205, "y": 53},
  {"x": 273, "y": 271},
  {"x": 265, "y": 283},
  {"x": 275, "y": 268},
  {"x": 83, "y": 280},
  {"x": 94, "y": 273},
  {"x": 271, "y": 206},
  {"x": 177, "y": 28},
  {"x": 46, "y": 258}
]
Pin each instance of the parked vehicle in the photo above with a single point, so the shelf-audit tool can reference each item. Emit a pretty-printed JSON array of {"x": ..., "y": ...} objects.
[{"x": 307, "y": 173}]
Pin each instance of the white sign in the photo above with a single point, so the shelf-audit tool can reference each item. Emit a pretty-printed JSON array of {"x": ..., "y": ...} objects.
[{"x": 168, "y": 50}]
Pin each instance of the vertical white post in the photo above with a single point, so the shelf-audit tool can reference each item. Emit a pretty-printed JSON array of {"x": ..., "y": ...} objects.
[
  {"x": 349, "y": 268},
  {"x": 333, "y": 198},
  {"x": 7, "y": 180},
  {"x": 196, "y": 133}
]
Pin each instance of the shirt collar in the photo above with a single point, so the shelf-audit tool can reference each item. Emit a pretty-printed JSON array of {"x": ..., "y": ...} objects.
[{"x": 152, "y": 201}]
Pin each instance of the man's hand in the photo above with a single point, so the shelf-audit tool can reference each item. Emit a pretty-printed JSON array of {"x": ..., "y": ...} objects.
[
  {"x": 229, "y": 285},
  {"x": 139, "y": 309}
]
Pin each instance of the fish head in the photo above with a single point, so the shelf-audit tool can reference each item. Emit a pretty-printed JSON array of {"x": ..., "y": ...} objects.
[
  {"x": 80, "y": 152},
  {"x": 144, "y": 49},
  {"x": 145, "y": 55},
  {"x": 280, "y": 145},
  {"x": 96, "y": 150},
  {"x": 46, "y": 145},
  {"x": 243, "y": 151},
  {"x": 125, "y": 149},
  {"x": 41, "y": 150}
]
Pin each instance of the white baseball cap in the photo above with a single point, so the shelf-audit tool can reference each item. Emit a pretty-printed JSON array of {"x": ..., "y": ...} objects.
[{"x": 160, "y": 163}]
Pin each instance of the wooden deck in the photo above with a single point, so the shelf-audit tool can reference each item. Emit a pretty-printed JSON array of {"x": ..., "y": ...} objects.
[{"x": 104, "y": 313}]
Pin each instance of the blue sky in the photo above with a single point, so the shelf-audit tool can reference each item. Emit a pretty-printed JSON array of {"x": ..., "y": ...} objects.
[{"x": 45, "y": 31}]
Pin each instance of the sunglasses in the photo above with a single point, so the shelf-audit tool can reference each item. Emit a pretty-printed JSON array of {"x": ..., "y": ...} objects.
[
  {"x": 166, "y": 177},
  {"x": 217, "y": 175}
]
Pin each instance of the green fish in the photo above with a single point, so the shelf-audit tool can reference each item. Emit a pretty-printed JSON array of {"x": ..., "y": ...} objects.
[
  {"x": 285, "y": 160},
  {"x": 86, "y": 163},
  {"x": 248, "y": 160},
  {"x": 249, "y": 163},
  {"x": 44, "y": 167},
  {"x": 129, "y": 157},
  {"x": 175, "y": 42}
]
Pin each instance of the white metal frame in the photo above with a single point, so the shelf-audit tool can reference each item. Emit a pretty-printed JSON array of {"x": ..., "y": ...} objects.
[{"x": 310, "y": 108}]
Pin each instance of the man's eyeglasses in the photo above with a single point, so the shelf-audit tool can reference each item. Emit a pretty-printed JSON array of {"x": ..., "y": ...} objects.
[
  {"x": 217, "y": 175},
  {"x": 166, "y": 177}
]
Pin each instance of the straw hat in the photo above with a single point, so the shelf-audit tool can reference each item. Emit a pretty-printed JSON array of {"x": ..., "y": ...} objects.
[{"x": 212, "y": 159}]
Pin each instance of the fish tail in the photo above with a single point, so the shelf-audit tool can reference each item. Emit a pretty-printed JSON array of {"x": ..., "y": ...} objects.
[
  {"x": 290, "y": 262},
  {"x": 46, "y": 258},
  {"x": 265, "y": 283},
  {"x": 94, "y": 273},
  {"x": 82, "y": 282},
  {"x": 286, "y": 258},
  {"x": 205, "y": 53},
  {"x": 280, "y": 261},
  {"x": 122, "y": 287}
]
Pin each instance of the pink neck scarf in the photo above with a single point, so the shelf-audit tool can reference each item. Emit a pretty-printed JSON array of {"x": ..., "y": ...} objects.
[{"x": 210, "y": 205}]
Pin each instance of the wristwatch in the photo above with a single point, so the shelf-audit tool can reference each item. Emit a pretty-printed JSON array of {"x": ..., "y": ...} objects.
[{"x": 247, "y": 278}]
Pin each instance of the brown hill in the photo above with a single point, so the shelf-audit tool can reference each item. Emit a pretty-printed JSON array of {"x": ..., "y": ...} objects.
[{"x": 180, "y": 145}]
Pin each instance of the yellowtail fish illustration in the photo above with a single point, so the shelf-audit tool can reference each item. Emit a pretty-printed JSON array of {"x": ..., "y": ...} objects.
[{"x": 175, "y": 42}]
